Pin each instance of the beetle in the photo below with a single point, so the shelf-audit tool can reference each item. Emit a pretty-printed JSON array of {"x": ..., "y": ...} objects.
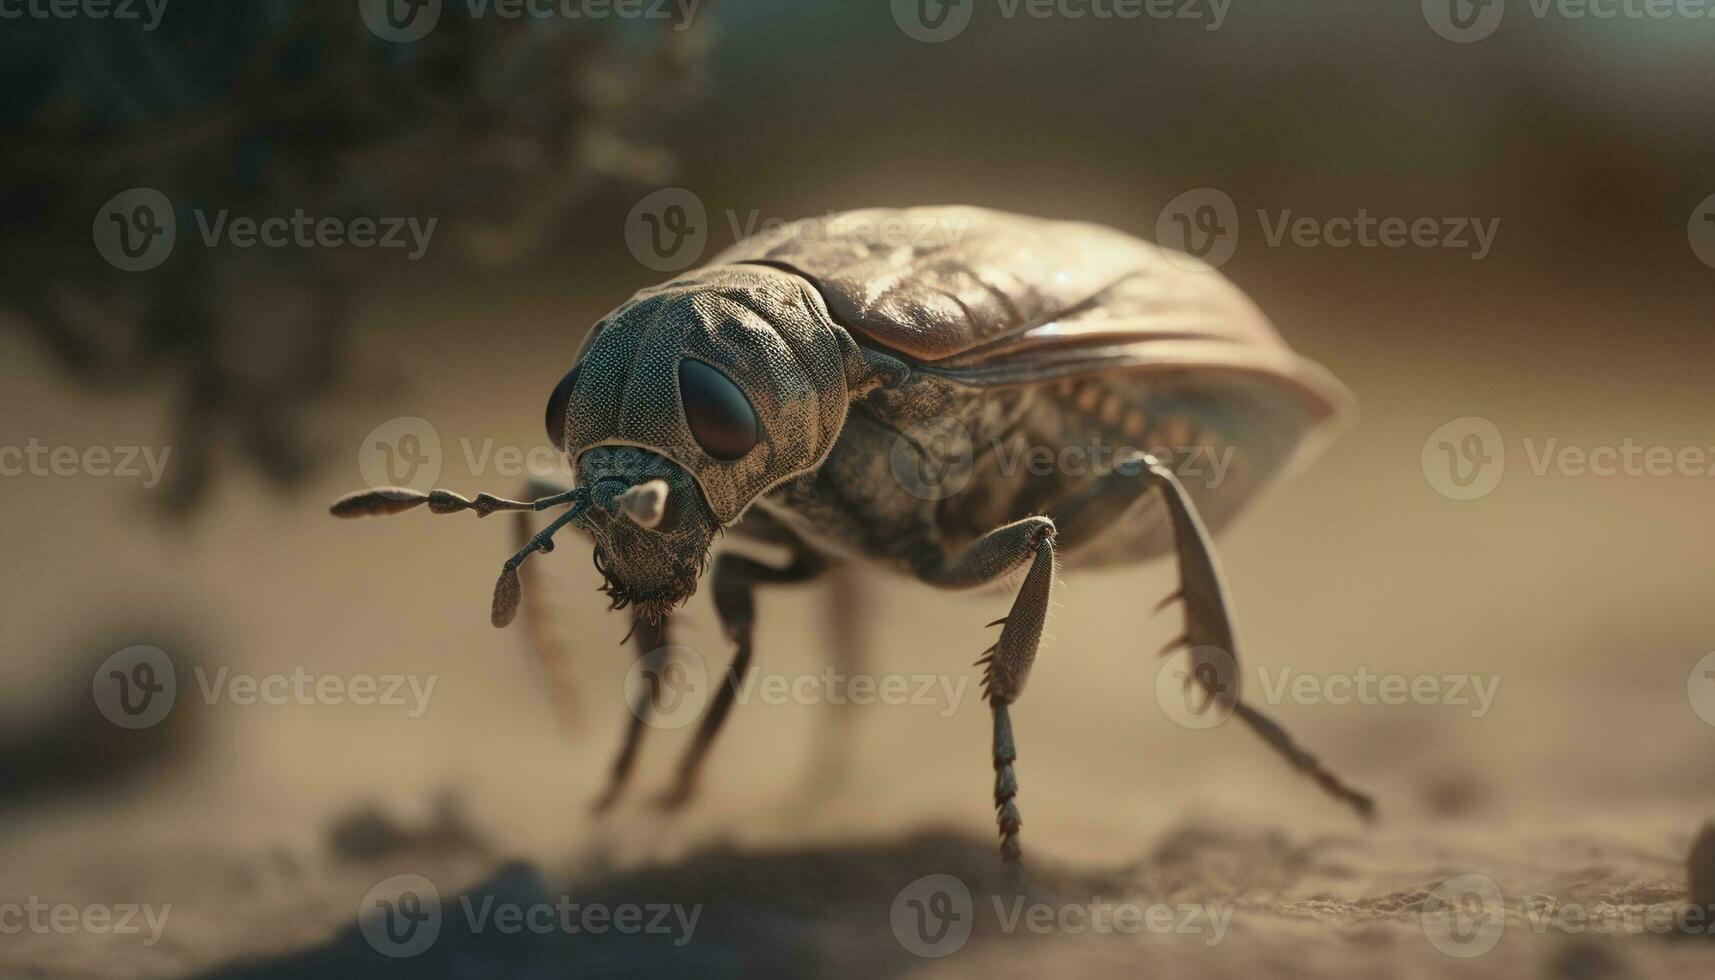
[{"x": 848, "y": 386}]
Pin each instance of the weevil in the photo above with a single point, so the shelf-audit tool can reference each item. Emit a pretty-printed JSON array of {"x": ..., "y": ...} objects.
[{"x": 860, "y": 388}]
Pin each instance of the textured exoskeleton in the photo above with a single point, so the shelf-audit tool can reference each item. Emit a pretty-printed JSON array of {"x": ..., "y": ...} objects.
[{"x": 886, "y": 386}]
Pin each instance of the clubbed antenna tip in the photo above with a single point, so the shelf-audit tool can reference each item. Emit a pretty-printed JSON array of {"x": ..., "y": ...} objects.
[{"x": 379, "y": 502}]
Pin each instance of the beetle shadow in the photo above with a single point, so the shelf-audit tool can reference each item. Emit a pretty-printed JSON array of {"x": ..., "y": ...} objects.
[{"x": 812, "y": 911}]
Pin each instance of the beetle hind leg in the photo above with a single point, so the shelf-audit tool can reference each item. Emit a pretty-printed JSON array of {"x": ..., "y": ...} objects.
[{"x": 1208, "y": 623}]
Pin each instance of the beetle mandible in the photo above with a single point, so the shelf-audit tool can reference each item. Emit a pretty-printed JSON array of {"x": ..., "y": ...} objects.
[{"x": 847, "y": 386}]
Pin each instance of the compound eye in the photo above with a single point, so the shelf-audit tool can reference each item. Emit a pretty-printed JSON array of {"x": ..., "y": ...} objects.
[
  {"x": 557, "y": 402},
  {"x": 720, "y": 416}
]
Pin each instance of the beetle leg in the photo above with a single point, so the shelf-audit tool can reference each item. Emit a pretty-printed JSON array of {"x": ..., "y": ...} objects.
[
  {"x": 651, "y": 642},
  {"x": 735, "y": 578},
  {"x": 1007, "y": 664},
  {"x": 1208, "y": 622},
  {"x": 846, "y": 608}
]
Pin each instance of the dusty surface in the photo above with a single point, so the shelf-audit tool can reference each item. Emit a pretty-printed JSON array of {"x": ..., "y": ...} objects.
[{"x": 1583, "y": 783}]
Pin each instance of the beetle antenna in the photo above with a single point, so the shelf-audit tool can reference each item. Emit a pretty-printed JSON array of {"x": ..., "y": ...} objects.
[
  {"x": 508, "y": 590},
  {"x": 385, "y": 501}
]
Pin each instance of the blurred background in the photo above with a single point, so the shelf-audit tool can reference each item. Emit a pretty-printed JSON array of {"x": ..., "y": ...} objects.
[{"x": 262, "y": 379}]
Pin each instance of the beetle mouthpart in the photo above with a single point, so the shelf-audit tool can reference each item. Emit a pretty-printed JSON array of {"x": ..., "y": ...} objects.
[{"x": 645, "y": 503}]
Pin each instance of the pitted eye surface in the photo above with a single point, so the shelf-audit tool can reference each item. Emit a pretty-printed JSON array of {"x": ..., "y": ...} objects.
[
  {"x": 557, "y": 403},
  {"x": 720, "y": 416}
]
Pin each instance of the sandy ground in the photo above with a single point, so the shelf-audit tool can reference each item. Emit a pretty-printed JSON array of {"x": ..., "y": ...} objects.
[{"x": 1583, "y": 783}]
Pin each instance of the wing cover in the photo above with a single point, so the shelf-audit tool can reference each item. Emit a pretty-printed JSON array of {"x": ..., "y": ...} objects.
[{"x": 985, "y": 298}]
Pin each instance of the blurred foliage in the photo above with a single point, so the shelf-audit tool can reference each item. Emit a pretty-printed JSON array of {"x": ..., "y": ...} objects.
[{"x": 497, "y": 128}]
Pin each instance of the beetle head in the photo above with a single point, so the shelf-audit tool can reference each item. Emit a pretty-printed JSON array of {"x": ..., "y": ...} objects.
[
  {"x": 735, "y": 373},
  {"x": 652, "y": 530}
]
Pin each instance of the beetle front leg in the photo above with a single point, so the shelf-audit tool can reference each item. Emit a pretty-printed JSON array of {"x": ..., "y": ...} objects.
[
  {"x": 1007, "y": 664},
  {"x": 651, "y": 643},
  {"x": 735, "y": 578},
  {"x": 650, "y": 640}
]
